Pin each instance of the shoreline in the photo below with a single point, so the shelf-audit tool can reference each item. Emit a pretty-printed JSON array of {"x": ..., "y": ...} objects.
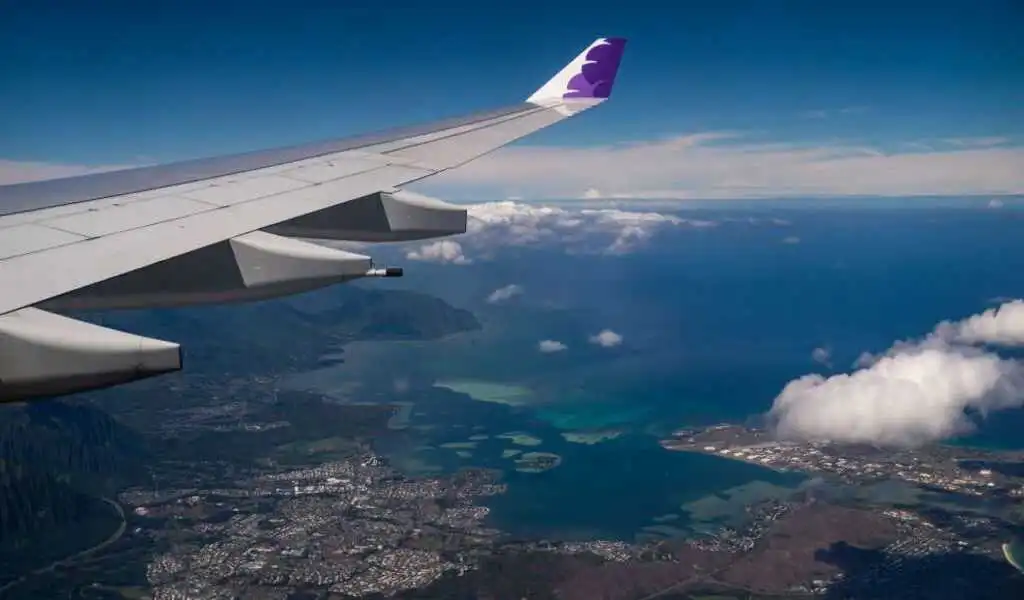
[
  {"x": 938, "y": 467},
  {"x": 732, "y": 457}
]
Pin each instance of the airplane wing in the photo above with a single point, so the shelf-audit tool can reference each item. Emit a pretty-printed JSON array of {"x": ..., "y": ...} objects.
[{"x": 230, "y": 228}]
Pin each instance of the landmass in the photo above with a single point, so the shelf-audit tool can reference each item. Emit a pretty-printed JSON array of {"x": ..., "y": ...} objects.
[
  {"x": 329, "y": 516},
  {"x": 537, "y": 462},
  {"x": 959, "y": 469},
  {"x": 352, "y": 527},
  {"x": 220, "y": 484},
  {"x": 591, "y": 437},
  {"x": 812, "y": 544},
  {"x": 61, "y": 461}
]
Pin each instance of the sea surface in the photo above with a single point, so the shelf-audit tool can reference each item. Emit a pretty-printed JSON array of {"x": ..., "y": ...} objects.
[{"x": 715, "y": 321}]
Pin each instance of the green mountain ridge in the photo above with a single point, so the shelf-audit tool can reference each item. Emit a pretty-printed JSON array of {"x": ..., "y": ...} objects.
[{"x": 261, "y": 337}]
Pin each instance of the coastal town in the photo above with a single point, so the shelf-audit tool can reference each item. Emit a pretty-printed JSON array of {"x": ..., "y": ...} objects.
[
  {"x": 348, "y": 524},
  {"x": 353, "y": 527},
  {"x": 959, "y": 470},
  {"x": 356, "y": 527}
]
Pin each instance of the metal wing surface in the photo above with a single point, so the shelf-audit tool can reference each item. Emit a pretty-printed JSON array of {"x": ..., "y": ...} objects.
[{"x": 230, "y": 228}]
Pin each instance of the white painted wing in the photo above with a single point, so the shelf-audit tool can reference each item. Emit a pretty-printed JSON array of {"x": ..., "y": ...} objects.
[
  {"x": 53, "y": 250},
  {"x": 174, "y": 223}
]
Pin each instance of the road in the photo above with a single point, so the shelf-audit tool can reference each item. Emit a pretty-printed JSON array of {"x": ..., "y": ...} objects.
[{"x": 74, "y": 557}]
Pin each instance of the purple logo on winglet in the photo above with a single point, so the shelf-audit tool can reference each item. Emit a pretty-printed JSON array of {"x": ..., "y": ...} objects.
[{"x": 597, "y": 76}]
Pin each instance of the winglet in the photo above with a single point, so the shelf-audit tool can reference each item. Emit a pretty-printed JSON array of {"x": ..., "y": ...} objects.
[{"x": 590, "y": 75}]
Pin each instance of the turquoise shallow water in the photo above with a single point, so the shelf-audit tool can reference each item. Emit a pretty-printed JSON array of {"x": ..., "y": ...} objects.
[
  {"x": 609, "y": 489},
  {"x": 714, "y": 323}
]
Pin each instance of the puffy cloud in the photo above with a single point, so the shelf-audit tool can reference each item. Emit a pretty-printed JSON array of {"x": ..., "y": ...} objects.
[
  {"x": 914, "y": 393},
  {"x": 504, "y": 293},
  {"x": 577, "y": 228},
  {"x": 792, "y": 239},
  {"x": 442, "y": 251},
  {"x": 602, "y": 230},
  {"x": 606, "y": 339},
  {"x": 999, "y": 326},
  {"x": 728, "y": 164},
  {"x": 549, "y": 346},
  {"x": 910, "y": 397},
  {"x": 995, "y": 203},
  {"x": 493, "y": 226}
]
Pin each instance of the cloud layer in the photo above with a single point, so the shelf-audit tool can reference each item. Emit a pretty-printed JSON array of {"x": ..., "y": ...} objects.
[
  {"x": 726, "y": 164},
  {"x": 496, "y": 225},
  {"x": 713, "y": 164},
  {"x": 915, "y": 393}
]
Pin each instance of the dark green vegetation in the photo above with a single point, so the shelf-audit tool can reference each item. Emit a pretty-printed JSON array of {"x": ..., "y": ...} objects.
[
  {"x": 311, "y": 422},
  {"x": 266, "y": 338},
  {"x": 60, "y": 459},
  {"x": 57, "y": 462},
  {"x": 53, "y": 453}
]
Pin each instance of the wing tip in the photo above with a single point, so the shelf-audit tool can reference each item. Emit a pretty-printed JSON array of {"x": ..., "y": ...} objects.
[{"x": 590, "y": 76}]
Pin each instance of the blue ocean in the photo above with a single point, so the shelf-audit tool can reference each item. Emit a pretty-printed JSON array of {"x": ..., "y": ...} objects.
[{"x": 714, "y": 322}]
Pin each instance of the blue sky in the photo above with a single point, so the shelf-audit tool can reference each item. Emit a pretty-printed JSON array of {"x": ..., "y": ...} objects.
[{"x": 126, "y": 82}]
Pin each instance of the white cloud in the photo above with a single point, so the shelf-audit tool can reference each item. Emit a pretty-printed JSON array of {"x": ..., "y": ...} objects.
[
  {"x": 442, "y": 251},
  {"x": 910, "y": 397},
  {"x": 549, "y": 346},
  {"x": 714, "y": 164},
  {"x": 791, "y": 240},
  {"x": 999, "y": 326},
  {"x": 600, "y": 230},
  {"x": 995, "y": 203},
  {"x": 504, "y": 293},
  {"x": 496, "y": 226},
  {"x": 916, "y": 392},
  {"x": 731, "y": 165},
  {"x": 606, "y": 339}
]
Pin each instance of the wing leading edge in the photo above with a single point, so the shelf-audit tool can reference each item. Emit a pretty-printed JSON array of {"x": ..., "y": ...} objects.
[{"x": 231, "y": 229}]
